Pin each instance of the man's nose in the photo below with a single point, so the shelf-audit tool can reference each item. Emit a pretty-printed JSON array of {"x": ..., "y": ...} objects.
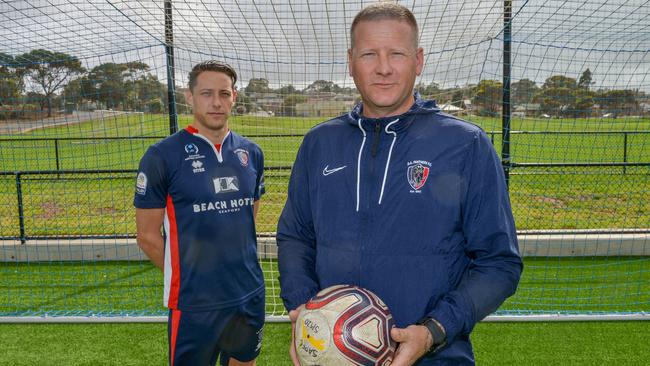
[
  {"x": 384, "y": 66},
  {"x": 216, "y": 101}
]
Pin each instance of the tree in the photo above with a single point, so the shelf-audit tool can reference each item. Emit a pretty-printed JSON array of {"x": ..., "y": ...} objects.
[
  {"x": 585, "y": 80},
  {"x": 523, "y": 91},
  {"x": 257, "y": 85},
  {"x": 558, "y": 95},
  {"x": 49, "y": 70},
  {"x": 36, "y": 99},
  {"x": 242, "y": 103},
  {"x": 289, "y": 104},
  {"x": 146, "y": 92},
  {"x": 121, "y": 83},
  {"x": 457, "y": 99},
  {"x": 287, "y": 89},
  {"x": 10, "y": 83},
  {"x": 619, "y": 102},
  {"x": 488, "y": 95},
  {"x": 428, "y": 91},
  {"x": 322, "y": 86}
]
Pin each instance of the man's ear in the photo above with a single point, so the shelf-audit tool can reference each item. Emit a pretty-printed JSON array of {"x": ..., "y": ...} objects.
[{"x": 419, "y": 55}]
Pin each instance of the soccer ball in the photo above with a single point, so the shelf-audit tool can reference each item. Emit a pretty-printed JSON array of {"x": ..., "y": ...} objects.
[{"x": 344, "y": 325}]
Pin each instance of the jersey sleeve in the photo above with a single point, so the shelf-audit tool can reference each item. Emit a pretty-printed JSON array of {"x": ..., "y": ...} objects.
[
  {"x": 151, "y": 182},
  {"x": 259, "y": 186}
]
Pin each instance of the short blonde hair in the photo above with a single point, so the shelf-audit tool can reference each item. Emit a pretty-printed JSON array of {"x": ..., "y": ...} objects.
[{"x": 385, "y": 10}]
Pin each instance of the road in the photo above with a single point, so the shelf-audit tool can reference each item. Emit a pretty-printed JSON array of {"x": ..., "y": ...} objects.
[{"x": 14, "y": 127}]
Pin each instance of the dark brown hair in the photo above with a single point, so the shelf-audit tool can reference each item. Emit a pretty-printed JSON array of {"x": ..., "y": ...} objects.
[{"x": 212, "y": 65}]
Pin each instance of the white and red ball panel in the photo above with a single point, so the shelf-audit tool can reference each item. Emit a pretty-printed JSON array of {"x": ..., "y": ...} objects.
[{"x": 345, "y": 325}]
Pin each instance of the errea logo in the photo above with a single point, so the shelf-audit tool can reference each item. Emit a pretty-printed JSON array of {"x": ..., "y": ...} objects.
[
  {"x": 226, "y": 184},
  {"x": 197, "y": 166}
]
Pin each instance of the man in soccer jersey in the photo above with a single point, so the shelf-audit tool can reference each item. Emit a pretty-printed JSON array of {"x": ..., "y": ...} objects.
[
  {"x": 202, "y": 186},
  {"x": 402, "y": 199}
]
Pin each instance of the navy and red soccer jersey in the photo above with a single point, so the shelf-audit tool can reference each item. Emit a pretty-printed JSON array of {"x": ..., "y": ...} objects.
[{"x": 208, "y": 195}]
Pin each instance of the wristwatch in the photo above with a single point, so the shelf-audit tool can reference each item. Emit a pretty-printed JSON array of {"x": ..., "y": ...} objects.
[{"x": 438, "y": 333}]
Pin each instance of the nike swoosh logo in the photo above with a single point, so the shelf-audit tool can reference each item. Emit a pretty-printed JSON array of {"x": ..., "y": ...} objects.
[{"x": 328, "y": 171}]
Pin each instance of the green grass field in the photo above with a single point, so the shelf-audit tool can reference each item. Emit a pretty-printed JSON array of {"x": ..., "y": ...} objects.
[
  {"x": 100, "y": 204},
  {"x": 585, "y": 285},
  {"x": 548, "y": 344}
]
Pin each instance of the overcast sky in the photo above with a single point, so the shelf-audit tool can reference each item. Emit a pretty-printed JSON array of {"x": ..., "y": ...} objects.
[{"x": 297, "y": 42}]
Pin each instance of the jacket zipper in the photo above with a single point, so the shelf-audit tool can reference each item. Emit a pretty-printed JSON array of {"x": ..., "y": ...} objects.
[{"x": 375, "y": 139}]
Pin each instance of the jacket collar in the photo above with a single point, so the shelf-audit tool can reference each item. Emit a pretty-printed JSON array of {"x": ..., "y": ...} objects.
[{"x": 419, "y": 107}]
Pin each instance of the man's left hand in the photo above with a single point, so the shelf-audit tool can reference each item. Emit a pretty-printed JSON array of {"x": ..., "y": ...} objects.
[{"x": 413, "y": 342}]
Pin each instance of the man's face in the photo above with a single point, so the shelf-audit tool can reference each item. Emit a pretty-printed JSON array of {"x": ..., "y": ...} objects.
[
  {"x": 212, "y": 99},
  {"x": 384, "y": 63}
]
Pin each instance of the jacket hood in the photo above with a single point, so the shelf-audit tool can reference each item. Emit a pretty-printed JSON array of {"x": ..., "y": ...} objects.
[{"x": 419, "y": 107}]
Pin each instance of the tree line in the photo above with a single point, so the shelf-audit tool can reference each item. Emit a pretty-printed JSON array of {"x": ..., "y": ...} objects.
[
  {"x": 560, "y": 96},
  {"x": 53, "y": 79}
]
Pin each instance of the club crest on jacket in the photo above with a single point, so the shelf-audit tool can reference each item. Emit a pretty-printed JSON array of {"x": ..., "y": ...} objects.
[{"x": 417, "y": 175}]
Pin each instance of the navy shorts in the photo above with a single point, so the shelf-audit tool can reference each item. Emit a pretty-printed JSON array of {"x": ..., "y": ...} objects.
[{"x": 198, "y": 338}]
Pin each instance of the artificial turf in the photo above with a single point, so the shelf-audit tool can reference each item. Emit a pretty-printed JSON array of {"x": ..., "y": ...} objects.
[{"x": 525, "y": 343}]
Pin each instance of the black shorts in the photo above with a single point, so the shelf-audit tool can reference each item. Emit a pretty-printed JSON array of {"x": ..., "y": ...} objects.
[{"x": 198, "y": 338}]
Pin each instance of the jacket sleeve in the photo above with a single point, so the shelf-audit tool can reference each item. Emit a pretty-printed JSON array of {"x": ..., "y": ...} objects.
[
  {"x": 296, "y": 239},
  {"x": 491, "y": 244}
]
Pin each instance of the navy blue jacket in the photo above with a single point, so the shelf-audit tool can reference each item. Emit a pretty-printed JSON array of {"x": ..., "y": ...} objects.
[{"x": 412, "y": 207}]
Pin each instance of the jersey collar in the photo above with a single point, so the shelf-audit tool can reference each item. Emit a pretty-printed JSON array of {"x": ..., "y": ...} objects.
[{"x": 216, "y": 148}]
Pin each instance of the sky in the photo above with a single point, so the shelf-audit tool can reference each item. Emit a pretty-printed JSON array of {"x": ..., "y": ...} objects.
[{"x": 297, "y": 42}]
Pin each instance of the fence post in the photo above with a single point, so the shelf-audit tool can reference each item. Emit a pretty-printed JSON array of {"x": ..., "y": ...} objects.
[
  {"x": 56, "y": 153},
  {"x": 505, "y": 121},
  {"x": 169, "y": 52},
  {"x": 625, "y": 152},
  {"x": 21, "y": 215}
]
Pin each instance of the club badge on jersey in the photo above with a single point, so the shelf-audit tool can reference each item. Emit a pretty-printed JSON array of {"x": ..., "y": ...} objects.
[{"x": 243, "y": 156}]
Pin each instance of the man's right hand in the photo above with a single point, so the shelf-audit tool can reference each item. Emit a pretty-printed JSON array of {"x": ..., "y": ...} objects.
[{"x": 293, "y": 316}]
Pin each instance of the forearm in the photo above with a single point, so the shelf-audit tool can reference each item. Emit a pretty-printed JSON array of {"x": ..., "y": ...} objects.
[
  {"x": 296, "y": 264},
  {"x": 153, "y": 247},
  {"x": 485, "y": 287}
]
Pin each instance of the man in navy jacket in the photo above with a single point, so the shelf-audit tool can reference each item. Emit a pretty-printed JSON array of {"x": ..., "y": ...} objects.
[{"x": 403, "y": 200}]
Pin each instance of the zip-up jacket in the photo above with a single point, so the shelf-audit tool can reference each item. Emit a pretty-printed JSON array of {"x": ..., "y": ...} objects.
[{"x": 413, "y": 207}]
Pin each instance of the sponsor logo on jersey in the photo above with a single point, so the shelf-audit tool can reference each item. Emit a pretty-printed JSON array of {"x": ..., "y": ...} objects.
[
  {"x": 417, "y": 174},
  {"x": 197, "y": 166},
  {"x": 223, "y": 206},
  {"x": 141, "y": 184},
  {"x": 226, "y": 184},
  {"x": 193, "y": 152},
  {"x": 243, "y": 156},
  {"x": 191, "y": 149}
]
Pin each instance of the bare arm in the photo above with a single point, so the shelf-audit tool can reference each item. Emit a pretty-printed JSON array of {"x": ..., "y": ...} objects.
[
  {"x": 148, "y": 222},
  {"x": 256, "y": 207}
]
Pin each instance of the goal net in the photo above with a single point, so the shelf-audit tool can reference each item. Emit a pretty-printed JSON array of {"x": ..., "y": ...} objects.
[{"x": 87, "y": 86}]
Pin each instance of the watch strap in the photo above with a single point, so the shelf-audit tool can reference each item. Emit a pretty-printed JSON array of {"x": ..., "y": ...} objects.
[{"x": 438, "y": 333}]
